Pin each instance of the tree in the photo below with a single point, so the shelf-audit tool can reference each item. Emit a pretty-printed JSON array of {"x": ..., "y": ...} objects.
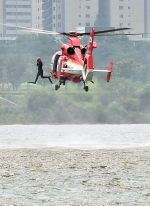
[
  {"x": 1, "y": 67},
  {"x": 16, "y": 67},
  {"x": 129, "y": 68}
]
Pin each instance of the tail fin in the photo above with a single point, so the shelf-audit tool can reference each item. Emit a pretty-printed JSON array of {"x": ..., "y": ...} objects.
[
  {"x": 109, "y": 71},
  {"x": 90, "y": 44}
]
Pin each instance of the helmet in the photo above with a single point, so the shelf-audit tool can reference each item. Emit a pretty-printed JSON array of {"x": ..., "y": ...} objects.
[{"x": 39, "y": 59}]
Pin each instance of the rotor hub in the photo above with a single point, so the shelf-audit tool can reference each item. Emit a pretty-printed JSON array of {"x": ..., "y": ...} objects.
[{"x": 72, "y": 33}]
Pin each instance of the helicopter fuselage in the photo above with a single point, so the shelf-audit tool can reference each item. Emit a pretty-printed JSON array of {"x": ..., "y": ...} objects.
[{"x": 68, "y": 63}]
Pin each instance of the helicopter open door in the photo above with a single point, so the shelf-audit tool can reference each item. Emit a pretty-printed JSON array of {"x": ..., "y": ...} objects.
[{"x": 54, "y": 62}]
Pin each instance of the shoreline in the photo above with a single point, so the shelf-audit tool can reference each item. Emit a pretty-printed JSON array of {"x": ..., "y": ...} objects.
[{"x": 74, "y": 148}]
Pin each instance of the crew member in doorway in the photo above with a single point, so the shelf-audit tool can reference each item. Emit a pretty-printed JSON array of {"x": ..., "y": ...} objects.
[{"x": 40, "y": 71}]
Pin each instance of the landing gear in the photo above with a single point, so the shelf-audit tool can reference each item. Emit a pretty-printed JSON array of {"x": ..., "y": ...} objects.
[
  {"x": 57, "y": 86},
  {"x": 86, "y": 88},
  {"x": 61, "y": 81}
]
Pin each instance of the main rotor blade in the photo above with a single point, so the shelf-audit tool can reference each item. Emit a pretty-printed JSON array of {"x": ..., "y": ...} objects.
[
  {"x": 64, "y": 33},
  {"x": 33, "y": 29},
  {"x": 120, "y": 34},
  {"x": 103, "y": 31}
]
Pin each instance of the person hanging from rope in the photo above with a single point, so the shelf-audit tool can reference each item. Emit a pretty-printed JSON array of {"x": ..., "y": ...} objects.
[{"x": 40, "y": 71}]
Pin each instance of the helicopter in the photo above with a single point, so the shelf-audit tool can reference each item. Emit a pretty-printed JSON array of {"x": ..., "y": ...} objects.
[{"x": 74, "y": 62}]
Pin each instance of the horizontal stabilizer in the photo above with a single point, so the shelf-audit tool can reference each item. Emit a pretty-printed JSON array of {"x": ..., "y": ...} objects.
[
  {"x": 71, "y": 70},
  {"x": 98, "y": 70},
  {"x": 109, "y": 71}
]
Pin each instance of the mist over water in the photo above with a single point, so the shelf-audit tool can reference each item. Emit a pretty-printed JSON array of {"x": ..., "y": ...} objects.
[{"x": 74, "y": 136}]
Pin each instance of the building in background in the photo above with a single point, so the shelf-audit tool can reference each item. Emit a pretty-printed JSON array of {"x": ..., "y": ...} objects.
[
  {"x": 36, "y": 17},
  {"x": 66, "y": 15},
  {"x": 56, "y": 15},
  {"x": 47, "y": 14},
  {"x": 147, "y": 16},
  {"x": 17, "y": 13},
  {"x": 122, "y": 13},
  {"x": 1, "y": 19},
  {"x": 25, "y": 13}
]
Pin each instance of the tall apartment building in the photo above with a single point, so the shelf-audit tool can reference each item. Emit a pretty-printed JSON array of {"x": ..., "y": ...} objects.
[
  {"x": 56, "y": 15},
  {"x": 1, "y": 19},
  {"x": 66, "y": 15},
  {"x": 36, "y": 6},
  {"x": 147, "y": 16},
  {"x": 47, "y": 15},
  {"x": 125, "y": 13},
  {"x": 25, "y": 13}
]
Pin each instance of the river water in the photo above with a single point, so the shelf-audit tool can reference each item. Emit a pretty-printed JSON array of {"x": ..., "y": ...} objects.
[{"x": 71, "y": 165}]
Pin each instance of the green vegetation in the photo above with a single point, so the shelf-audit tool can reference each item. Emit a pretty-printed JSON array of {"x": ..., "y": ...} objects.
[{"x": 124, "y": 100}]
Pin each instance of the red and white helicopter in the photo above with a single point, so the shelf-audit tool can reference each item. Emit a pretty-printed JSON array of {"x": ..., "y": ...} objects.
[{"x": 74, "y": 62}]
